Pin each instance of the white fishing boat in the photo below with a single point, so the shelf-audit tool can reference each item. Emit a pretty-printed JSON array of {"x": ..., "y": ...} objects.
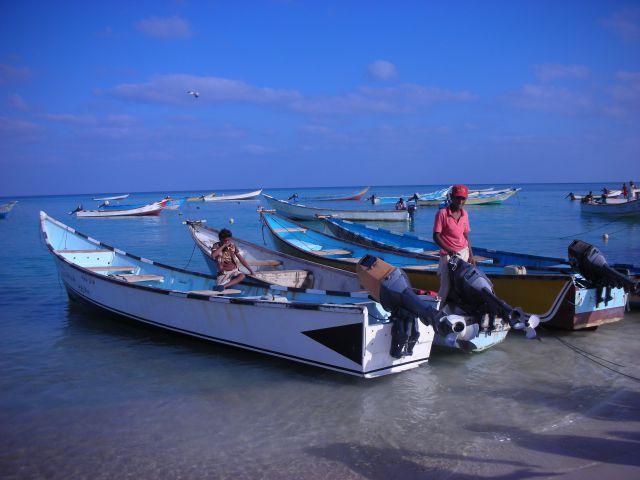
[
  {"x": 347, "y": 333},
  {"x": 5, "y": 208},
  {"x": 116, "y": 197},
  {"x": 152, "y": 209},
  {"x": 212, "y": 197},
  {"x": 302, "y": 212},
  {"x": 612, "y": 207}
]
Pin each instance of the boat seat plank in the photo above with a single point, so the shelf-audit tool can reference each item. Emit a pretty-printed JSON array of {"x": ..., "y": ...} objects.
[
  {"x": 140, "y": 278},
  {"x": 228, "y": 291},
  {"x": 481, "y": 259},
  {"x": 83, "y": 251},
  {"x": 432, "y": 266},
  {"x": 350, "y": 259},
  {"x": 431, "y": 252},
  {"x": 264, "y": 263},
  {"x": 289, "y": 229},
  {"x": 113, "y": 268},
  {"x": 334, "y": 251}
]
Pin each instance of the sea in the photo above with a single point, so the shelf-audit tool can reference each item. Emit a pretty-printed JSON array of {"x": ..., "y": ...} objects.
[{"x": 86, "y": 394}]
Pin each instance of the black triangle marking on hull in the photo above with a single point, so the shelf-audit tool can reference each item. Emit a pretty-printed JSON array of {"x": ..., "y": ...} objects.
[{"x": 345, "y": 340}]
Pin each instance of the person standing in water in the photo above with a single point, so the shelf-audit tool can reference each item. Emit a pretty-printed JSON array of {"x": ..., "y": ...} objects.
[{"x": 451, "y": 232}]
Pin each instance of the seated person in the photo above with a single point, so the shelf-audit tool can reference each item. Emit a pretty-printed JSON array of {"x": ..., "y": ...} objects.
[
  {"x": 400, "y": 205},
  {"x": 227, "y": 255},
  {"x": 293, "y": 198}
]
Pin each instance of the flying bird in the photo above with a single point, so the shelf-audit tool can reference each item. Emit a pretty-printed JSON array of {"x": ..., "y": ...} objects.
[{"x": 195, "y": 94}]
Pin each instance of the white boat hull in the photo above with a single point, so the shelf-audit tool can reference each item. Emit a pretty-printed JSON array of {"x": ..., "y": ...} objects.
[
  {"x": 610, "y": 208},
  {"x": 335, "y": 336},
  {"x": 146, "y": 210},
  {"x": 231, "y": 198},
  {"x": 302, "y": 212}
]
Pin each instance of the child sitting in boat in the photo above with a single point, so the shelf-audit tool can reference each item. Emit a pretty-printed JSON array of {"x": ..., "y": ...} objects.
[
  {"x": 227, "y": 255},
  {"x": 400, "y": 205}
]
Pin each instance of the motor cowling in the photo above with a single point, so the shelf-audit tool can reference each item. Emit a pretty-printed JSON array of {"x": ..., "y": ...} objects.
[
  {"x": 472, "y": 291},
  {"x": 390, "y": 286},
  {"x": 593, "y": 266}
]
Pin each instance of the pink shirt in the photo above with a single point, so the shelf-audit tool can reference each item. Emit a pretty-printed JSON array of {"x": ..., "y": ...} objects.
[{"x": 451, "y": 230}]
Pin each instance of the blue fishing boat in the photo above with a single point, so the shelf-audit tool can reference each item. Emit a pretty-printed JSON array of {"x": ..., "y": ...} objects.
[
  {"x": 552, "y": 295},
  {"x": 383, "y": 238}
]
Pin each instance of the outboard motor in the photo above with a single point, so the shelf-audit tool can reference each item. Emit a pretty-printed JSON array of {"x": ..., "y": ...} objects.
[
  {"x": 411, "y": 209},
  {"x": 592, "y": 265},
  {"x": 472, "y": 291},
  {"x": 390, "y": 286}
]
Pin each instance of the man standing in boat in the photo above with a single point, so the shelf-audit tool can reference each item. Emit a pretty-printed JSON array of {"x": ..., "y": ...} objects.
[
  {"x": 226, "y": 254},
  {"x": 451, "y": 233}
]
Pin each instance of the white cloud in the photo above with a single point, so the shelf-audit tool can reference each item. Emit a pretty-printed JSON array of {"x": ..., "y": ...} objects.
[
  {"x": 382, "y": 70},
  {"x": 258, "y": 149},
  {"x": 164, "y": 28},
  {"x": 10, "y": 126},
  {"x": 625, "y": 23},
  {"x": 16, "y": 102},
  {"x": 549, "y": 98},
  {"x": 625, "y": 94},
  {"x": 10, "y": 74},
  {"x": 172, "y": 89},
  {"x": 69, "y": 118},
  {"x": 552, "y": 71}
]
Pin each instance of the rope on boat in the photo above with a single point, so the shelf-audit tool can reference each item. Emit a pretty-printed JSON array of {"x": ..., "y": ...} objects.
[
  {"x": 588, "y": 231},
  {"x": 192, "y": 251},
  {"x": 592, "y": 357}
]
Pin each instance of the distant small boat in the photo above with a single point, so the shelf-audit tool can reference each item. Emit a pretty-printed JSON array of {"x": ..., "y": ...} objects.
[
  {"x": 612, "y": 207},
  {"x": 338, "y": 197},
  {"x": 151, "y": 209},
  {"x": 5, "y": 208},
  {"x": 117, "y": 197},
  {"x": 212, "y": 197},
  {"x": 475, "y": 198},
  {"x": 302, "y": 212},
  {"x": 175, "y": 204}
]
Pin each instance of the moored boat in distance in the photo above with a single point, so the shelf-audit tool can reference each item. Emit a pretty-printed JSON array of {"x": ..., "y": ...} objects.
[
  {"x": 116, "y": 197},
  {"x": 612, "y": 207},
  {"x": 152, "y": 209},
  {"x": 302, "y": 212},
  {"x": 347, "y": 333},
  {"x": 561, "y": 299},
  {"x": 5, "y": 208},
  {"x": 212, "y": 197},
  {"x": 337, "y": 197}
]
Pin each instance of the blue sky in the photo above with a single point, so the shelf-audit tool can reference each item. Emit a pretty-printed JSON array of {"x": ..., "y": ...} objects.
[{"x": 93, "y": 95}]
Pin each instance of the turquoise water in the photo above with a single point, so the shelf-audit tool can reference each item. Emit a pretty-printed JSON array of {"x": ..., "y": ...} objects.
[{"x": 84, "y": 394}]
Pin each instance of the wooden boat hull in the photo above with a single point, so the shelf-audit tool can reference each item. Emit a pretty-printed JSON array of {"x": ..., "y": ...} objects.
[
  {"x": 302, "y": 212},
  {"x": 150, "y": 210},
  {"x": 615, "y": 208},
  {"x": 334, "y": 332},
  {"x": 543, "y": 293},
  {"x": 232, "y": 198}
]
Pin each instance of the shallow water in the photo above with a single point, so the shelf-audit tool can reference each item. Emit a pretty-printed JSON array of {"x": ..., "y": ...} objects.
[{"x": 85, "y": 394}]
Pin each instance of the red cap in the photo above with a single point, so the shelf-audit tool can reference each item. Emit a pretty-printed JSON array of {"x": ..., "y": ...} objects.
[{"x": 460, "y": 191}]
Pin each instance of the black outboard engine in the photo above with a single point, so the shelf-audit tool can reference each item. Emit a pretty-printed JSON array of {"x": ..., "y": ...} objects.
[
  {"x": 472, "y": 291},
  {"x": 592, "y": 265},
  {"x": 390, "y": 286},
  {"x": 411, "y": 209}
]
